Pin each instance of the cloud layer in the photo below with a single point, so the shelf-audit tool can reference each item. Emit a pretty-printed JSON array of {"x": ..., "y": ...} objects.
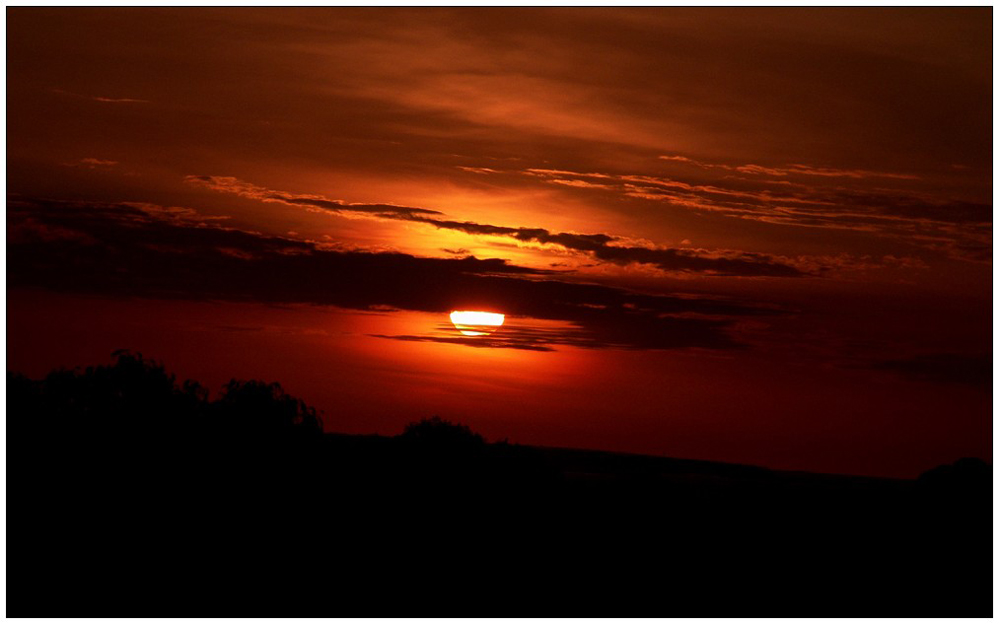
[
  {"x": 958, "y": 228},
  {"x": 603, "y": 247},
  {"x": 153, "y": 251}
]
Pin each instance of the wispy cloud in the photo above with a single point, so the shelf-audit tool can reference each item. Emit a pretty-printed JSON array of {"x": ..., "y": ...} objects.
[
  {"x": 227, "y": 184},
  {"x": 970, "y": 369},
  {"x": 92, "y": 163},
  {"x": 960, "y": 229},
  {"x": 98, "y": 98},
  {"x": 791, "y": 170},
  {"x": 119, "y": 100}
]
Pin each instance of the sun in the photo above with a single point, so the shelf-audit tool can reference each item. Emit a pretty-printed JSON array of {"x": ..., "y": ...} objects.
[{"x": 476, "y": 323}]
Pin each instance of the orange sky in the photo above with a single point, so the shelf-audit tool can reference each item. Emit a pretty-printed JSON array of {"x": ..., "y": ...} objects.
[{"x": 761, "y": 235}]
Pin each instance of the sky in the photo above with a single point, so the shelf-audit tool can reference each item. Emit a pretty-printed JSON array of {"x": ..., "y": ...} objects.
[{"x": 758, "y": 235}]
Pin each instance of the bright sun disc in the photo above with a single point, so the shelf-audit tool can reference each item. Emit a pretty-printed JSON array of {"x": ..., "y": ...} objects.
[{"x": 475, "y": 323}]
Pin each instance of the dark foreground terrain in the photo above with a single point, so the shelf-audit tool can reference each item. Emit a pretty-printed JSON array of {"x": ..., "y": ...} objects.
[{"x": 132, "y": 495}]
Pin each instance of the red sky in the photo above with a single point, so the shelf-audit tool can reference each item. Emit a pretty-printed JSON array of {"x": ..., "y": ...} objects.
[{"x": 757, "y": 235}]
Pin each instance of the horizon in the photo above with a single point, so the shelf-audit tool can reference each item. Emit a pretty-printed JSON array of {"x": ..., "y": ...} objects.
[{"x": 212, "y": 395}]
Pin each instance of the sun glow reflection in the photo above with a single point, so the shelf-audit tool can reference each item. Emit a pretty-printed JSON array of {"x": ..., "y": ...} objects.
[{"x": 476, "y": 323}]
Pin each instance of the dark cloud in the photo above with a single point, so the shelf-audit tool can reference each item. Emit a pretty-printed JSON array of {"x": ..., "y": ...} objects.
[
  {"x": 974, "y": 370},
  {"x": 601, "y": 329},
  {"x": 510, "y": 336},
  {"x": 468, "y": 341},
  {"x": 228, "y": 184},
  {"x": 960, "y": 229},
  {"x": 144, "y": 250},
  {"x": 603, "y": 247}
]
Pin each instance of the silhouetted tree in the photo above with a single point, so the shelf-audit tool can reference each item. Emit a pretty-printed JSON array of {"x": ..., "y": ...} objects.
[
  {"x": 134, "y": 403},
  {"x": 133, "y": 398},
  {"x": 258, "y": 408}
]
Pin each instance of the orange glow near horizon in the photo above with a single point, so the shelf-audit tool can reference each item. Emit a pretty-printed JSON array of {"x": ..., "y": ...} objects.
[{"x": 476, "y": 323}]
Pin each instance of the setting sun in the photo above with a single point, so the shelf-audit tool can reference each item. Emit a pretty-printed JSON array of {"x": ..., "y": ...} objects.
[{"x": 476, "y": 323}]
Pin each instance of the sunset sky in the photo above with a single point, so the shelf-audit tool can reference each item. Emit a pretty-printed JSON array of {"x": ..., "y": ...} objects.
[{"x": 750, "y": 235}]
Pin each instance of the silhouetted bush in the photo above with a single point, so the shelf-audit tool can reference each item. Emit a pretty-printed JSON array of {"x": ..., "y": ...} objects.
[
  {"x": 449, "y": 459},
  {"x": 965, "y": 482},
  {"x": 440, "y": 433}
]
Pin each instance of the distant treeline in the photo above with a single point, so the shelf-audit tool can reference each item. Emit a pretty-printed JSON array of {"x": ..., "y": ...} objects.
[
  {"x": 134, "y": 409},
  {"x": 134, "y": 494}
]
